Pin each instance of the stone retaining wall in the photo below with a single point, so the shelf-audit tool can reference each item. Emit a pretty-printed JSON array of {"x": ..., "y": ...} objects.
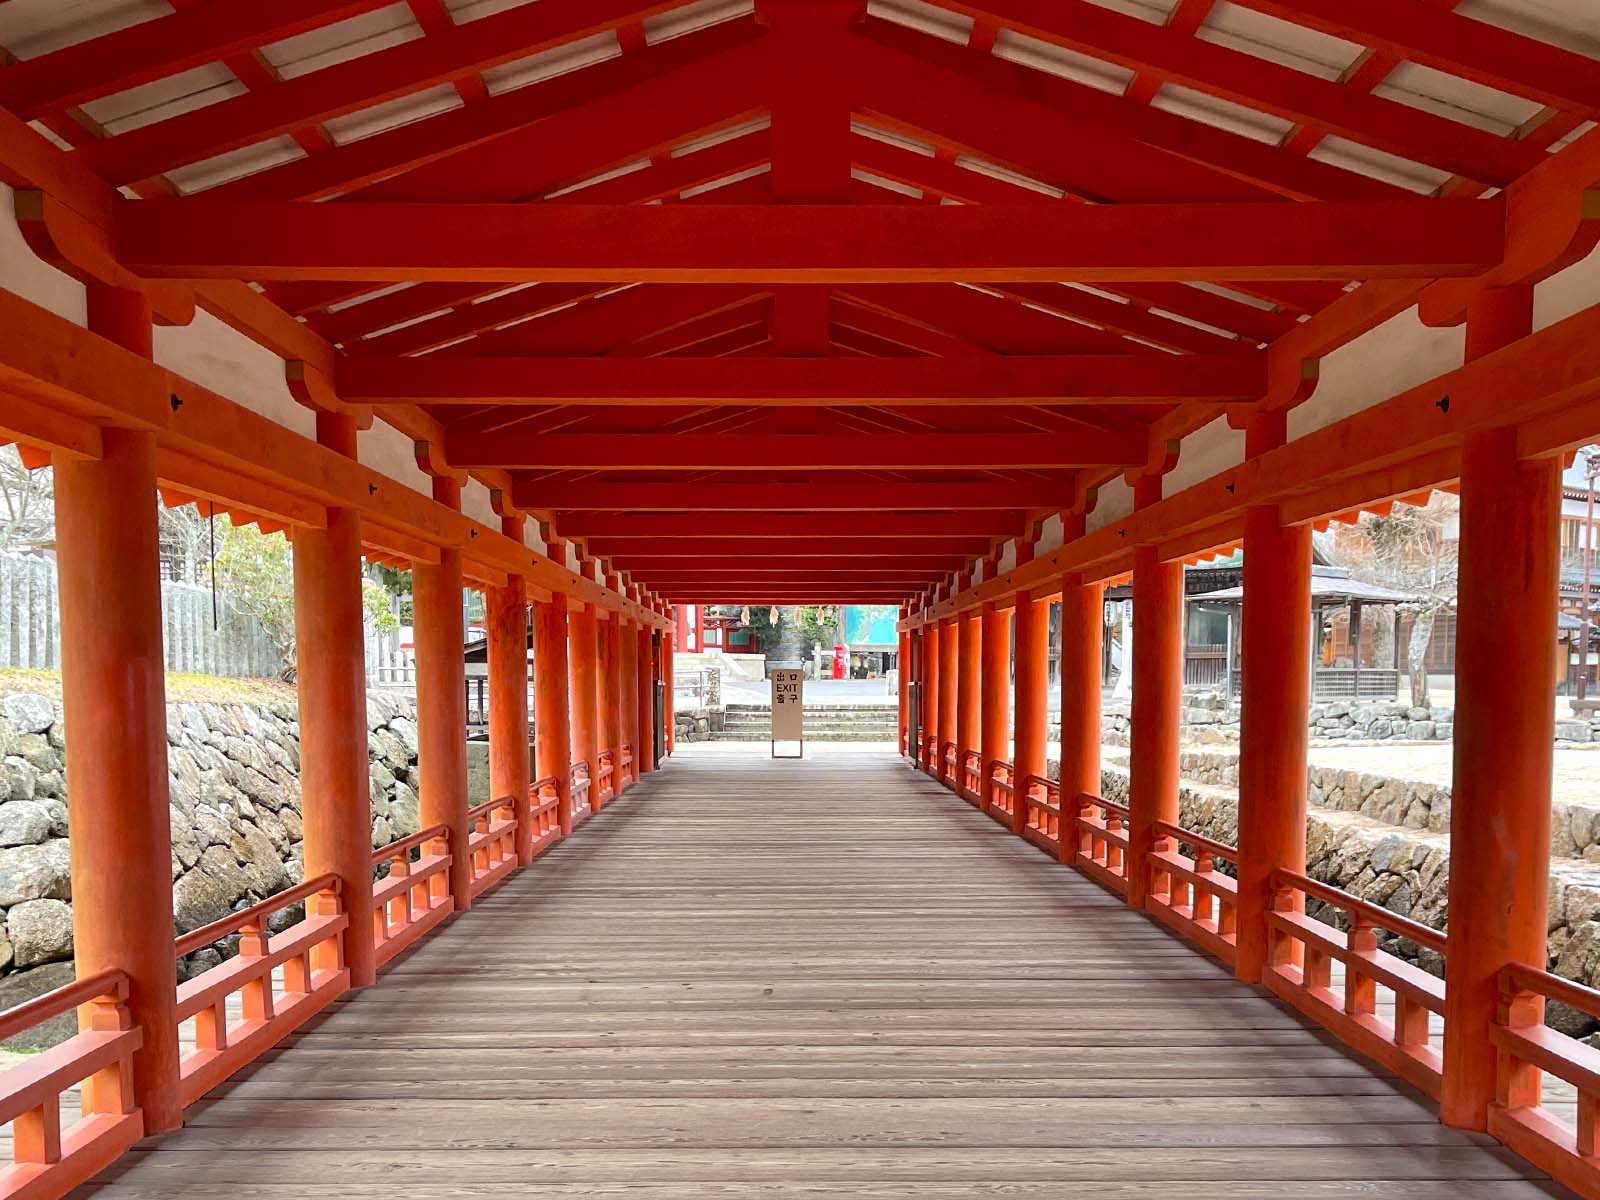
[{"x": 234, "y": 792}]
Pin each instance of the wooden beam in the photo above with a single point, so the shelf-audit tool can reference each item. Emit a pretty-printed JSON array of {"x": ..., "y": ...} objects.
[
  {"x": 887, "y": 548},
  {"x": 807, "y": 496},
  {"x": 756, "y": 525},
  {"x": 798, "y": 451},
  {"x": 648, "y": 565},
  {"x": 1128, "y": 379},
  {"x": 204, "y": 239}
]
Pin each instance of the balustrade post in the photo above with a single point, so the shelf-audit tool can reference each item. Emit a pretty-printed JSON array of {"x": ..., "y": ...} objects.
[
  {"x": 436, "y": 592},
  {"x": 113, "y": 687},
  {"x": 1157, "y": 702},
  {"x": 949, "y": 673},
  {"x": 968, "y": 712},
  {"x": 1275, "y": 695},
  {"x": 931, "y": 732},
  {"x": 1504, "y": 724},
  {"x": 1082, "y": 634},
  {"x": 551, "y": 728},
  {"x": 995, "y": 727},
  {"x": 583, "y": 686},
  {"x": 669, "y": 717},
  {"x": 644, "y": 750},
  {"x": 1032, "y": 683},
  {"x": 507, "y": 618},
  {"x": 330, "y": 667}
]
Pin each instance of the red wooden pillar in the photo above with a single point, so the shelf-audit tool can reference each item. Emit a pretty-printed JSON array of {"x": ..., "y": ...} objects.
[
  {"x": 669, "y": 650},
  {"x": 611, "y": 698},
  {"x": 1032, "y": 670},
  {"x": 931, "y": 733},
  {"x": 1157, "y": 701},
  {"x": 1275, "y": 694},
  {"x": 551, "y": 728},
  {"x": 996, "y": 722},
  {"x": 1082, "y": 630},
  {"x": 114, "y": 692},
  {"x": 644, "y": 752},
  {"x": 507, "y": 617},
  {"x": 583, "y": 668},
  {"x": 442, "y": 700},
  {"x": 330, "y": 666},
  {"x": 969, "y": 644},
  {"x": 903, "y": 687},
  {"x": 1504, "y": 725},
  {"x": 628, "y": 692},
  {"x": 949, "y": 667}
]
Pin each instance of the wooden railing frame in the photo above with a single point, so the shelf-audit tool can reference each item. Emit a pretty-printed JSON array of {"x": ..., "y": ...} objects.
[
  {"x": 1043, "y": 822},
  {"x": 1301, "y": 949},
  {"x": 48, "y": 1160},
  {"x": 311, "y": 953},
  {"x": 1102, "y": 831},
  {"x": 1527, "y": 1050},
  {"x": 971, "y": 779},
  {"x": 415, "y": 896},
  {"x": 1002, "y": 791},
  {"x": 1190, "y": 895}
]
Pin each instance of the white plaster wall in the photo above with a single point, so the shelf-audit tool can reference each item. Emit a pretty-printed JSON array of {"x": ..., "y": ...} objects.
[
  {"x": 1569, "y": 292},
  {"x": 475, "y": 503},
  {"x": 1208, "y": 450},
  {"x": 25, "y": 273},
  {"x": 219, "y": 357},
  {"x": 1049, "y": 535},
  {"x": 389, "y": 452},
  {"x": 1008, "y": 557},
  {"x": 1114, "y": 502},
  {"x": 1397, "y": 355}
]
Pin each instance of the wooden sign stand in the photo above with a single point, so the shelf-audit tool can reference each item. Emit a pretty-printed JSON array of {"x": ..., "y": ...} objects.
[{"x": 788, "y": 711}]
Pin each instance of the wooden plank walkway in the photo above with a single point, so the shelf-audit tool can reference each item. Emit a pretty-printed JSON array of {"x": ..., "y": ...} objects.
[{"x": 825, "y": 978}]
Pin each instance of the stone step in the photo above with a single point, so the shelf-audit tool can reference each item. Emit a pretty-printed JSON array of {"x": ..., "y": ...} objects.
[
  {"x": 829, "y": 718},
  {"x": 742, "y": 735}
]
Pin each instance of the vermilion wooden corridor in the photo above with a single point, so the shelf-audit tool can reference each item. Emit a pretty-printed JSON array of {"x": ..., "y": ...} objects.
[{"x": 828, "y": 978}]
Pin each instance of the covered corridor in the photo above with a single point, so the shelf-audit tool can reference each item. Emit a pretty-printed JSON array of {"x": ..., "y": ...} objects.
[{"x": 826, "y": 977}]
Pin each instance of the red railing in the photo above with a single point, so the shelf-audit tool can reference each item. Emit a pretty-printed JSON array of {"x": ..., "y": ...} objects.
[
  {"x": 1528, "y": 1050},
  {"x": 1000, "y": 786},
  {"x": 491, "y": 843},
  {"x": 48, "y": 1159},
  {"x": 544, "y": 802},
  {"x": 972, "y": 777},
  {"x": 625, "y": 760},
  {"x": 1102, "y": 833},
  {"x": 582, "y": 785},
  {"x": 416, "y": 894},
  {"x": 928, "y": 754},
  {"x": 604, "y": 779},
  {"x": 1043, "y": 824},
  {"x": 1301, "y": 951},
  {"x": 272, "y": 1003},
  {"x": 948, "y": 763},
  {"x": 1190, "y": 894}
]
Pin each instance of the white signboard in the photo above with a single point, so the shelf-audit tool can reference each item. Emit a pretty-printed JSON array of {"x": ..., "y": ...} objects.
[{"x": 788, "y": 711}]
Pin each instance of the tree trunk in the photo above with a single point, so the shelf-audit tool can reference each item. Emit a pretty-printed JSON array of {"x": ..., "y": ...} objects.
[{"x": 1417, "y": 657}]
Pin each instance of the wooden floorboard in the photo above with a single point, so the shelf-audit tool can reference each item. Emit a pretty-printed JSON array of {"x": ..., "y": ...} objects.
[{"x": 819, "y": 978}]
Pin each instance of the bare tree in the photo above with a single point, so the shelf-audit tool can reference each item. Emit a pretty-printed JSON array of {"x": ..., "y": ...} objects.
[
  {"x": 27, "y": 504},
  {"x": 1412, "y": 549}
]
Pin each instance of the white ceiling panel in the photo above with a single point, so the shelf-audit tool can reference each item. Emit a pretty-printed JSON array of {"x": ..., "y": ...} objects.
[
  {"x": 936, "y": 22},
  {"x": 1388, "y": 167},
  {"x": 352, "y": 127},
  {"x": 1458, "y": 99},
  {"x": 1056, "y": 60},
  {"x": 691, "y": 18},
  {"x": 29, "y": 28},
  {"x": 1571, "y": 24},
  {"x": 236, "y": 164},
  {"x": 547, "y": 64},
  {"x": 317, "y": 49},
  {"x": 163, "y": 98},
  {"x": 1221, "y": 114},
  {"x": 1282, "y": 42}
]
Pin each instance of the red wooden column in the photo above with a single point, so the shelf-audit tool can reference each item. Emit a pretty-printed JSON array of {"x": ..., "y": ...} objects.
[
  {"x": 1157, "y": 700},
  {"x": 931, "y": 733},
  {"x": 968, "y": 711},
  {"x": 628, "y": 691},
  {"x": 551, "y": 728},
  {"x": 611, "y": 699},
  {"x": 442, "y": 699},
  {"x": 996, "y": 722},
  {"x": 644, "y": 752},
  {"x": 949, "y": 668},
  {"x": 1032, "y": 670},
  {"x": 1275, "y": 692},
  {"x": 583, "y": 683},
  {"x": 330, "y": 666},
  {"x": 507, "y": 616},
  {"x": 1082, "y": 631},
  {"x": 115, "y": 696},
  {"x": 903, "y": 681},
  {"x": 669, "y": 649},
  {"x": 1504, "y": 724}
]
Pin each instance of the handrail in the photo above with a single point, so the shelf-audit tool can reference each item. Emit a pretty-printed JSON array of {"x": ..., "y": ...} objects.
[
  {"x": 489, "y": 807},
  {"x": 1048, "y": 785},
  {"x": 1090, "y": 800},
  {"x": 62, "y": 999},
  {"x": 1370, "y": 914},
  {"x": 1100, "y": 844},
  {"x": 1521, "y": 976},
  {"x": 411, "y": 842},
  {"x": 1216, "y": 849},
  {"x": 233, "y": 922}
]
